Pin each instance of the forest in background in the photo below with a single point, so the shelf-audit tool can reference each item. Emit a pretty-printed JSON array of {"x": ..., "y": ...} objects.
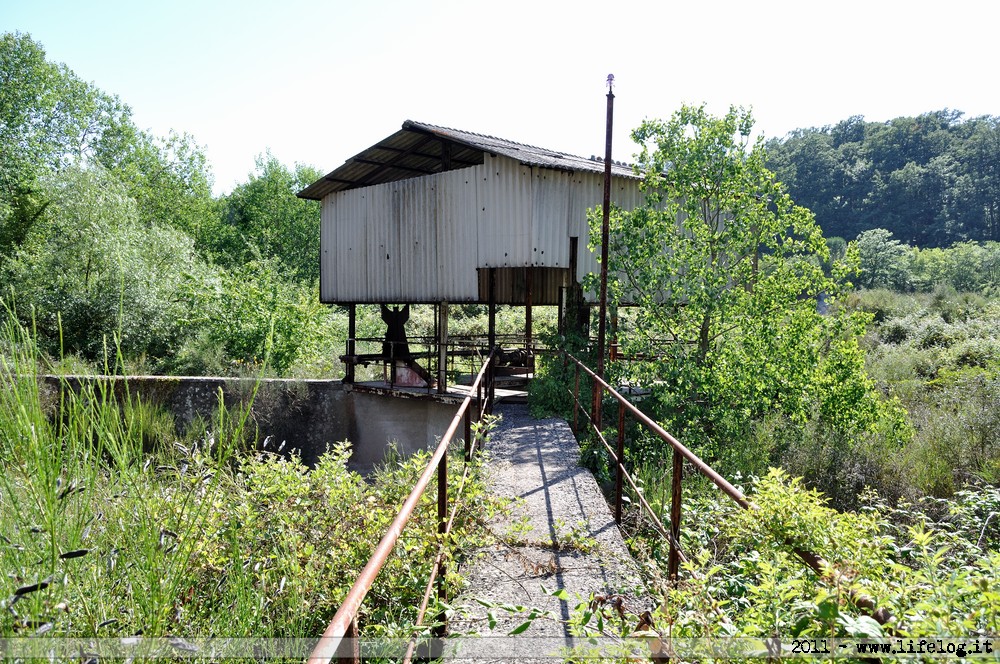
[
  {"x": 931, "y": 181},
  {"x": 110, "y": 236}
]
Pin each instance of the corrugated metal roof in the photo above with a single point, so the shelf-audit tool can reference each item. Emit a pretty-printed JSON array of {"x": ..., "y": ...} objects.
[{"x": 423, "y": 149}]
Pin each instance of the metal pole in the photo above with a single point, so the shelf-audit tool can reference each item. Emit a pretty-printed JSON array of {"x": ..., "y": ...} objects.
[
  {"x": 353, "y": 656},
  {"x": 576, "y": 399},
  {"x": 492, "y": 303},
  {"x": 621, "y": 460},
  {"x": 605, "y": 223},
  {"x": 673, "y": 557},
  {"x": 352, "y": 330},
  {"x": 468, "y": 434},
  {"x": 442, "y": 593},
  {"x": 528, "y": 285},
  {"x": 442, "y": 340}
]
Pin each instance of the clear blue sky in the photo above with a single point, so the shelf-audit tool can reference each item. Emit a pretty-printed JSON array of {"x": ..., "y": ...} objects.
[{"x": 315, "y": 82}]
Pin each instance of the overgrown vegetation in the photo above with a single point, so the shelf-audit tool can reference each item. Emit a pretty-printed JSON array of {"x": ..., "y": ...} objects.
[
  {"x": 747, "y": 334},
  {"x": 746, "y": 339},
  {"x": 932, "y": 564},
  {"x": 114, "y": 524}
]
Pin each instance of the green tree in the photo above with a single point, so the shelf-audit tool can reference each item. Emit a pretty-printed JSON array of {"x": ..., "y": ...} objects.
[
  {"x": 264, "y": 214},
  {"x": 90, "y": 273},
  {"x": 252, "y": 314},
  {"x": 884, "y": 260},
  {"x": 169, "y": 179},
  {"x": 49, "y": 120},
  {"x": 931, "y": 180},
  {"x": 724, "y": 271}
]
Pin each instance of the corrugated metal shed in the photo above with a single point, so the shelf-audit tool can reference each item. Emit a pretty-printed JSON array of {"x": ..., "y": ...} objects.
[{"x": 423, "y": 215}]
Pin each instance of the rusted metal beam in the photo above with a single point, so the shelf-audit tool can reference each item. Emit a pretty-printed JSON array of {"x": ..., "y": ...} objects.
[
  {"x": 451, "y": 161},
  {"x": 368, "y": 177},
  {"x": 605, "y": 223},
  {"x": 621, "y": 463},
  {"x": 529, "y": 278},
  {"x": 468, "y": 435},
  {"x": 576, "y": 399},
  {"x": 442, "y": 514},
  {"x": 400, "y": 167},
  {"x": 352, "y": 333},
  {"x": 676, "y": 493}
]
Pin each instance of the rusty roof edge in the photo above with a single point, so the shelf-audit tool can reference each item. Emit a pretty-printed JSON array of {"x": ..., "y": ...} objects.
[
  {"x": 528, "y": 155},
  {"x": 521, "y": 151},
  {"x": 310, "y": 192}
]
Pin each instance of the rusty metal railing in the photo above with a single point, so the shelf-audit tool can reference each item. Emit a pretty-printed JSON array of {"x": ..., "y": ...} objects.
[
  {"x": 681, "y": 453},
  {"x": 344, "y": 623}
]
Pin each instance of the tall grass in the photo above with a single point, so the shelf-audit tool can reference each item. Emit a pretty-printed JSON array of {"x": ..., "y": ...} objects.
[
  {"x": 85, "y": 546},
  {"x": 114, "y": 524}
]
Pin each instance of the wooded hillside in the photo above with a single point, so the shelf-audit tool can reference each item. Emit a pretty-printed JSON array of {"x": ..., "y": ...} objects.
[{"x": 931, "y": 180}]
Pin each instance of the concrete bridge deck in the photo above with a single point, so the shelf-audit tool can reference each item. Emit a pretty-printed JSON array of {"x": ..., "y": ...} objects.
[{"x": 562, "y": 536}]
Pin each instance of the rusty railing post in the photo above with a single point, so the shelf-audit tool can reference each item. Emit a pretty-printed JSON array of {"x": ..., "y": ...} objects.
[
  {"x": 479, "y": 399},
  {"x": 489, "y": 388},
  {"x": 673, "y": 558},
  {"x": 468, "y": 435},
  {"x": 353, "y": 645},
  {"x": 352, "y": 333},
  {"x": 621, "y": 463},
  {"x": 442, "y": 628},
  {"x": 596, "y": 417},
  {"x": 576, "y": 398}
]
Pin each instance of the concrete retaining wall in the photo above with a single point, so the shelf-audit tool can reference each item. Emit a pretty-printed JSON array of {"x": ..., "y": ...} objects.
[{"x": 307, "y": 415}]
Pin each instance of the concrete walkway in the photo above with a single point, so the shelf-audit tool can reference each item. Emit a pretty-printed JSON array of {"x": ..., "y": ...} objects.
[{"x": 562, "y": 536}]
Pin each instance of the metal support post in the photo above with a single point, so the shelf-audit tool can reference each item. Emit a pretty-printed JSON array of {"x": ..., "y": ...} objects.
[
  {"x": 352, "y": 333},
  {"x": 673, "y": 557},
  {"x": 442, "y": 513},
  {"x": 620, "y": 452}
]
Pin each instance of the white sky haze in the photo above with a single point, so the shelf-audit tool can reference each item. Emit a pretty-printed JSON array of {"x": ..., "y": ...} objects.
[{"x": 316, "y": 82}]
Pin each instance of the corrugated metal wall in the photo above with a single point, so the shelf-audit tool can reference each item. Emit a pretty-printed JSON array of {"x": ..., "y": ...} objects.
[{"x": 423, "y": 239}]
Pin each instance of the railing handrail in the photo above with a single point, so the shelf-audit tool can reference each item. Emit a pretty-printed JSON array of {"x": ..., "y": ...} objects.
[
  {"x": 346, "y": 615},
  {"x": 820, "y": 566},
  {"x": 695, "y": 460}
]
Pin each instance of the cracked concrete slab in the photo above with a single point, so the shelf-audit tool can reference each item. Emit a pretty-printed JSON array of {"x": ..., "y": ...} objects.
[{"x": 562, "y": 536}]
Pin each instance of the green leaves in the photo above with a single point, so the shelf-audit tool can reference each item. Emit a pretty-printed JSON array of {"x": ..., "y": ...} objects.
[
  {"x": 265, "y": 213},
  {"x": 724, "y": 270},
  {"x": 930, "y": 179}
]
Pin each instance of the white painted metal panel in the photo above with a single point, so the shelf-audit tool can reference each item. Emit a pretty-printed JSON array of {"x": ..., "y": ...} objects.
[
  {"x": 418, "y": 220},
  {"x": 352, "y": 241},
  {"x": 343, "y": 247},
  {"x": 625, "y": 193},
  {"x": 383, "y": 251},
  {"x": 550, "y": 213},
  {"x": 458, "y": 234},
  {"x": 328, "y": 281},
  {"x": 587, "y": 193},
  {"x": 504, "y": 214}
]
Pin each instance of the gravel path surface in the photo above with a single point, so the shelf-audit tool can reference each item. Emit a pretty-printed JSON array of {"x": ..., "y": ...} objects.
[{"x": 571, "y": 543}]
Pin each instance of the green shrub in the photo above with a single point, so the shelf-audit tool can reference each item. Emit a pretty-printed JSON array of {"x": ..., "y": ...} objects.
[
  {"x": 934, "y": 576},
  {"x": 978, "y": 352},
  {"x": 881, "y": 303},
  {"x": 126, "y": 527},
  {"x": 935, "y": 334},
  {"x": 895, "y": 332}
]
